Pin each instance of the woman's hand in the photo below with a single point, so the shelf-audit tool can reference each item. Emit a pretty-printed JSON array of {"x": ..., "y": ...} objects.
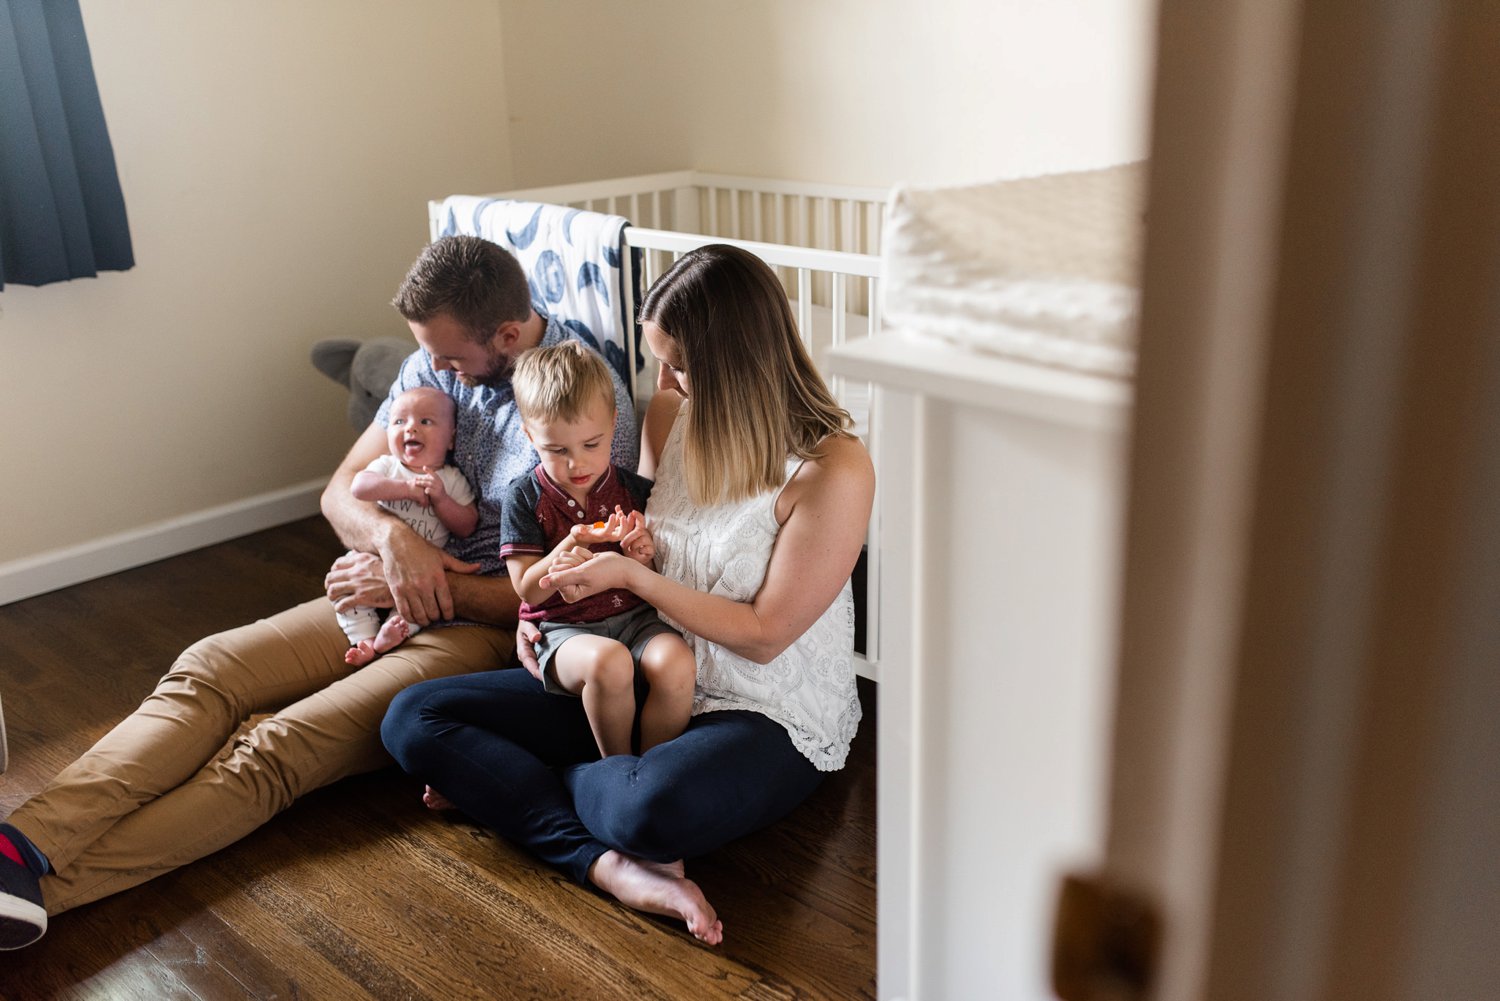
[
  {"x": 565, "y": 560},
  {"x": 602, "y": 572},
  {"x": 637, "y": 542}
]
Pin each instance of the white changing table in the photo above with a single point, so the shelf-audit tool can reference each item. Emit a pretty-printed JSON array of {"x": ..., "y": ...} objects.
[{"x": 1000, "y": 494}]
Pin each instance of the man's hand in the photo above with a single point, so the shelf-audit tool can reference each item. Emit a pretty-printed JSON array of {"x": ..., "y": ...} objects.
[
  {"x": 415, "y": 570},
  {"x": 358, "y": 580},
  {"x": 527, "y": 635}
]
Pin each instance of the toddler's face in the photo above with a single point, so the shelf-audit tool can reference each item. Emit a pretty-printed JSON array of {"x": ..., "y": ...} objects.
[
  {"x": 421, "y": 430},
  {"x": 575, "y": 453}
]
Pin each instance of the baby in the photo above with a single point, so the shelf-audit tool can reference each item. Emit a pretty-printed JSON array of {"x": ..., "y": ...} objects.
[
  {"x": 413, "y": 482},
  {"x": 573, "y": 499}
]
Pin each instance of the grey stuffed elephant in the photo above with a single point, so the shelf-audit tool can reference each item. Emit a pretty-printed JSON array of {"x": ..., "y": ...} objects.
[{"x": 367, "y": 368}]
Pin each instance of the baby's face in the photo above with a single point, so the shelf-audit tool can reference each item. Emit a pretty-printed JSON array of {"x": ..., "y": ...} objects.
[{"x": 421, "y": 430}]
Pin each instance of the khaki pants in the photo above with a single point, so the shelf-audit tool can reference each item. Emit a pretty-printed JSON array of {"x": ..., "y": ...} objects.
[{"x": 161, "y": 789}]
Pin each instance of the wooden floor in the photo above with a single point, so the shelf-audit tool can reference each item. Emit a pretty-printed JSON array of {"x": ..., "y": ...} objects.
[{"x": 357, "y": 891}]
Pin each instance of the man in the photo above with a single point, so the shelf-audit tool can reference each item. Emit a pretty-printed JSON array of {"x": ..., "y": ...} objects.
[{"x": 155, "y": 793}]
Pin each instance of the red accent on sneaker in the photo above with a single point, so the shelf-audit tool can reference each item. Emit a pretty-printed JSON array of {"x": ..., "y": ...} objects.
[{"x": 10, "y": 851}]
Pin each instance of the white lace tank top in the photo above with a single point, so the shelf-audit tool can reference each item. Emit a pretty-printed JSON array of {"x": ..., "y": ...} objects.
[{"x": 724, "y": 550}]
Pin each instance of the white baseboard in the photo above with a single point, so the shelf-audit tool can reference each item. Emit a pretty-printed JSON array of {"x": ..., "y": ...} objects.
[{"x": 70, "y": 565}]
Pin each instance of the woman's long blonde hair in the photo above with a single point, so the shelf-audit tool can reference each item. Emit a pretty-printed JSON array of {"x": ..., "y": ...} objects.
[{"x": 756, "y": 397}]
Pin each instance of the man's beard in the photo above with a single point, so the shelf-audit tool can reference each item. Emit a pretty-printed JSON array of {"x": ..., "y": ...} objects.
[{"x": 501, "y": 369}]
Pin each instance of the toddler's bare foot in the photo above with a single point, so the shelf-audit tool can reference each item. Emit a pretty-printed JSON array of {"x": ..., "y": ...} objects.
[
  {"x": 658, "y": 888},
  {"x": 360, "y": 654},
  {"x": 435, "y": 800}
]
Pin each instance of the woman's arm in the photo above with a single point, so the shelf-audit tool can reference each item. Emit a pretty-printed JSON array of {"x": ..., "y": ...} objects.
[{"x": 825, "y": 512}]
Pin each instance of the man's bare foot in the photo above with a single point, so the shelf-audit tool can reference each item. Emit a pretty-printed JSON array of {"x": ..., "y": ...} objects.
[
  {"x": 360, "y": 654},
  {"x": 658, "y": 888},
  {"x": 435, "y": 800}
]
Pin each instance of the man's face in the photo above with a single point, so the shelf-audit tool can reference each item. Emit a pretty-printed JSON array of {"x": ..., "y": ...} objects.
[{"x": 450, "y": 346}]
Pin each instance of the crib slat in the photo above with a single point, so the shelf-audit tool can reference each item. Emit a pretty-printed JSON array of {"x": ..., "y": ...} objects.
[
  {"x": 872, "y": 553},
  {"x": 804, "y": 305},
  {"x": 713, "y": 212},
  {"x": 757, "y": 225},
  {"x": 840, "y": 322},
  {"x": 627, "y": 267},
  {"x": 734, "y": 213}
]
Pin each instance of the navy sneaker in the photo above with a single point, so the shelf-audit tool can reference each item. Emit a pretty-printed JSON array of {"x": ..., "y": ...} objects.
[{"x": 23, "y": 920}]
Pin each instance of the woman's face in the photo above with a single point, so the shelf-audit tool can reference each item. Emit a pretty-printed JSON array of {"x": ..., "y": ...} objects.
[{"x": 665, "y": 349}]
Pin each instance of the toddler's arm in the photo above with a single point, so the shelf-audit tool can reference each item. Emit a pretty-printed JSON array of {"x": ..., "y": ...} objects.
[{"x": 526, "y": 572}]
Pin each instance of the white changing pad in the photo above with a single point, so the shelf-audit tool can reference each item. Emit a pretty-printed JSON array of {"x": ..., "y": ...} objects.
[{"x": 1043, "y": 269}]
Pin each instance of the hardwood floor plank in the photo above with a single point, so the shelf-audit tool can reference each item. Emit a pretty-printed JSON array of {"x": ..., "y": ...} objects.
[{"x": 357, "y": 891}]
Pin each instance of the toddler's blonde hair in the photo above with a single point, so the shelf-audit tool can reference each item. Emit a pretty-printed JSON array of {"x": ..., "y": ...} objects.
[{"x": 561, "y": 382}]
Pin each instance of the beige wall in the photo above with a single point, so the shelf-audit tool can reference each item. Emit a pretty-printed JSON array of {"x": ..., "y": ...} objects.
[
  {"x": 275, "y": 158},
  {"x": 870, "y": 92}
]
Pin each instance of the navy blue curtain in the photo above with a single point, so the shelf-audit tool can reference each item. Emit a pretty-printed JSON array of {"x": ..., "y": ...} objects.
[{"x": 61, "y": 211}]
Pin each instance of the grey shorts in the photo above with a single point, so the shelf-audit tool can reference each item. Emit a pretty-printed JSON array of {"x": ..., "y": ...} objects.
[{"x": 634, "y": 628}]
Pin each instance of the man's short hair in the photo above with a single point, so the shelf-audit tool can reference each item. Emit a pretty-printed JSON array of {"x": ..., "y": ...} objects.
[{"x": 477, "y": 283}]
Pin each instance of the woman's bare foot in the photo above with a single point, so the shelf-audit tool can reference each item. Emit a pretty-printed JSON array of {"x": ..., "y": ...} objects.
[
  {"x": 657, "y": 888},
  {"x": 435, "y": 800}
]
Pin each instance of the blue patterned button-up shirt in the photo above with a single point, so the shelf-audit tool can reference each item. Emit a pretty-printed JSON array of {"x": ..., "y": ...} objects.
[{"x": 490, "y": 447}]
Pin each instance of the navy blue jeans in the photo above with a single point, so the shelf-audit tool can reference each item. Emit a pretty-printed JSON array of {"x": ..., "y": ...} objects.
[{"x": 524, "y": 763}]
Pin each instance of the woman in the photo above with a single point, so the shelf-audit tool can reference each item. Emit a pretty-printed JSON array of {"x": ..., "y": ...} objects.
[{"x": 761, "y": 504}]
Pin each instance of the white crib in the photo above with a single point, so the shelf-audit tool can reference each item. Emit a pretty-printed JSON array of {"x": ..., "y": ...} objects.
[{"x": 824, "y": 242}]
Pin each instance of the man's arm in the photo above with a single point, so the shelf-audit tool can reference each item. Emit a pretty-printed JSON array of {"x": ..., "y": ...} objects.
[
  {"x": 491, "y": 600},
  {"x": 413, "y": 567}
]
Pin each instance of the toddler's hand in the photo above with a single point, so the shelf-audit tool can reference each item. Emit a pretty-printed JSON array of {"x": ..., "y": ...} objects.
[{"x": 610, "y": 530}]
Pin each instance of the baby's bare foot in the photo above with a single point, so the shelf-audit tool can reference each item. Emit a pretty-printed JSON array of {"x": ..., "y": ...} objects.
[
  {"x": 360, "y": 655},
  {"x": 393, "y": 632},
  {"x": 435, "y": 800},
  {"x": 658, "y": 888}
]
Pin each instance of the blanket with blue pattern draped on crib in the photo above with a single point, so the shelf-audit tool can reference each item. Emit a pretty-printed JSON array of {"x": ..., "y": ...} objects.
[{"x": 571, "y": 257}]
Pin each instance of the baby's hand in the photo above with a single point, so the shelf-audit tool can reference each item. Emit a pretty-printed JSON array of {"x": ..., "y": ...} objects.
[
  {"x": 427, "y": 489},
  {"x": 433, "y": 484}
]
